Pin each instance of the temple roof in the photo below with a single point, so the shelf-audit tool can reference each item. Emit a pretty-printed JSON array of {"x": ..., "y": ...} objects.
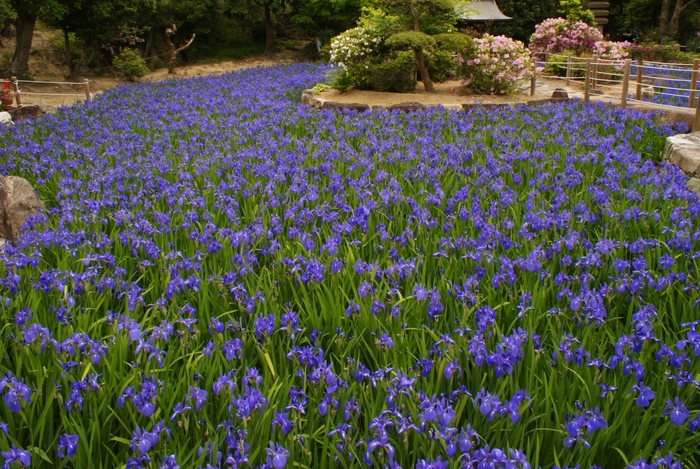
[{"x": 486, "y": 10}]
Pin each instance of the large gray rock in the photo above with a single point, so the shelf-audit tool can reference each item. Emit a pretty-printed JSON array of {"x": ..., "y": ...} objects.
[
  {"x": 560, "y": 93},
  {"x": 306, "y": 96},
  {"x": 683, "y": 150},
  {"x": 407, "y": 107},
  {"x": 25, "y": 112},
  {"x": 18, "y": 201},
  {"x": 694, "y": 185}
]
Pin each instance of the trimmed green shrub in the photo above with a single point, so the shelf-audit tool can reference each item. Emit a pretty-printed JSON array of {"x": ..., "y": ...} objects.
[
  {"x": 441, "y": 66},
  {"x": 130, "y": 64},
  {"x": 410, "y": 40},
  {"x": 397, "y": 75},
  {"x": 454, "y": 42}
]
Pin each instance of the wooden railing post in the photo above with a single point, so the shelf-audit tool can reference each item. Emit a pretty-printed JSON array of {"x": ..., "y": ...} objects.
[
  {"x": 568, "y": 68},
  {"x": 696, "y": 122},
  {"x": 595, "y": 72},
  {"x": 625, "y": 84},
  {"x": 533, "y": 85},
  {"x": 15, "y": 85},
  {"x": 693, "y": 83},
  {"x": 587, "y": 83},
  {"x": 640, "y": 66},
  {"x": 86, "y": 86}
]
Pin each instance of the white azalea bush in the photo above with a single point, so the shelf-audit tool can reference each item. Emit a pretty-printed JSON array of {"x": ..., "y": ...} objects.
[
  {"x": 500, "y": 65},
  {"x": 353, "y": 45},
  {"x": 360, "y": 57}
]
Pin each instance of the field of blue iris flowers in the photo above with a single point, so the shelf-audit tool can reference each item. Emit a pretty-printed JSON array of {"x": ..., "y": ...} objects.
[{"x": 225, "y": 278}]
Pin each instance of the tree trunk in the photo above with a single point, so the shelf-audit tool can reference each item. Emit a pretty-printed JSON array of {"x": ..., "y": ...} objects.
[
  {"x": 414, "y": 16},
  {"x": 7, "y": 29},
  {"x": 268, "y": 31},
  {"x": 24, "y": 24},
  {"x": 420, "y": 56},
  {"x": 663, "y": 19},
  {"x": 171, "y": 48},
  {"x": 73, "y": 68},
  {"x": 423, "y": 69},
  {"x": 149, "y": 44},
  {"x": 676, "y": 17}
]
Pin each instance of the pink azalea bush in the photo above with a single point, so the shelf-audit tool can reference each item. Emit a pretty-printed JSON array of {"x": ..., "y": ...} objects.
[
  {"x": 556, "y": 35},
  {"x": 500, "y": 65},
  {"x": 612, "y": 50}
]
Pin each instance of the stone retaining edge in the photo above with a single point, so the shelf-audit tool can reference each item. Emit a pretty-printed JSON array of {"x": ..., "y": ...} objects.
[{"x": 308, "y": 98}]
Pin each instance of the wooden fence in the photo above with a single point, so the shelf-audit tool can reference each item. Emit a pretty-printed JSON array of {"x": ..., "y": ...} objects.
[
  {"x": 18, "y": 93},
  {"x": 630, "y": 80}
]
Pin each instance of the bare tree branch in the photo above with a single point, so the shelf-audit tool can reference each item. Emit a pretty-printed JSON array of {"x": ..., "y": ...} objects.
[{"x": 171, "y": 47}]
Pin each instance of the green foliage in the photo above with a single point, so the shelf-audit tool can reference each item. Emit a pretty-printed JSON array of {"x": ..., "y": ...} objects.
[
  {"x": 434, "y": 16},
  {"x": 454, "y": 42},
  {"x": 557, "y": 64},
  {"x": 130, "y": 63},
  {"x": 430, "y": 7},
  {"x": 5, "y": 59},
  {"x": 396, "y": 75},
  {"x": 574, "y": 11},
  {"x": 379, "y": 22},
  {"x": 410, "y": 40},
  {"x": 320, "y": 88},
  {"x": 325, "y": 18},
  {"x": 6, "y": 10},
  {"x": 442, "y": 66},
  {"x": 340, "y": 80},
  {"x": 58, "y": 41},
  {"x": 526, "y": 14},
  {"x": 641, "y": 15},
  {"x": 100, "y": 23}
]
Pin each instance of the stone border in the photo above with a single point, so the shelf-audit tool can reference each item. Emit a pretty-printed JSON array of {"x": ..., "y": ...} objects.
[
  {"x": 685, "y": 115},
  {"x": 308, "y": 98},
  {"x": 30, "y": 111}
]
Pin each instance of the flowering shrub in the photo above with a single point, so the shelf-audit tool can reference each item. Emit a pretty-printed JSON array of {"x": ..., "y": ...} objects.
[
  {"x": 357, "y": 54},
  {"x": 6, "y": 98},
  {"x": 610, "y": 50},
  {"x": 660, "y": 52},
  {"x": 499, "y": 66},
  {"x": 273, "y": 286},
  {"x": 353, "y": 46},
  {"x": 556, "y": 35}
]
